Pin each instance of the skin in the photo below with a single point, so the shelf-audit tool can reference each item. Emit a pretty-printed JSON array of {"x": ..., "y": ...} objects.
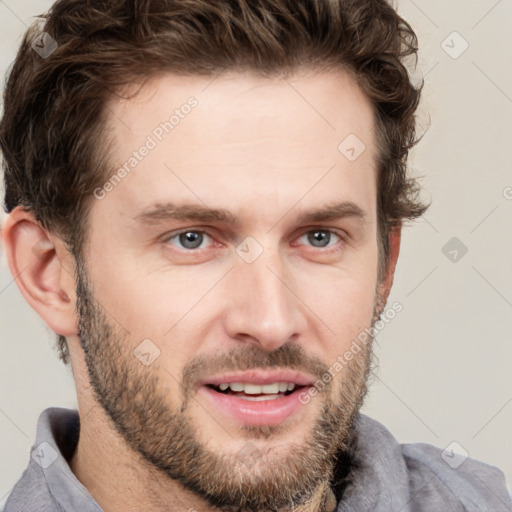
[{"x": 267, "y": 151}]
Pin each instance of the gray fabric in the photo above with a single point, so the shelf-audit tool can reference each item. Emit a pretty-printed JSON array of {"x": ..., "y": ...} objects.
[
  {"x": 386, "y": 477},
  {"x": 47, "y": 486}
]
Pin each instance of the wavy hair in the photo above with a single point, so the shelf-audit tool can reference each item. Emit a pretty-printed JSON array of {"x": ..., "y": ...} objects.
[{"x": 53, "y": 132}]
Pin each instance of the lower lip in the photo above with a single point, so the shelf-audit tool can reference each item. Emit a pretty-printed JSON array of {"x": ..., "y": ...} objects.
[{"x": 264, "y": 412}]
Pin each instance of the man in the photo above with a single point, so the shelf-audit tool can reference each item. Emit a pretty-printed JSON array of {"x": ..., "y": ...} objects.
[{"x": 205, "y": 204}]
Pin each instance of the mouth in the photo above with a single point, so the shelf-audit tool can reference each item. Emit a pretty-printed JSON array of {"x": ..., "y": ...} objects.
[
  {"x": 256, "y": 397},
  {"x": 256, "y": 392}
]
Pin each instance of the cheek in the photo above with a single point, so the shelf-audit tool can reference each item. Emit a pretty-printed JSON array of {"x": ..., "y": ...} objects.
[
  {"x": 346, "y": 303},
  {"x": 170, "y": 307},
  {"x": 342, "y": 303},
  {"x": 130, "y": 300}
]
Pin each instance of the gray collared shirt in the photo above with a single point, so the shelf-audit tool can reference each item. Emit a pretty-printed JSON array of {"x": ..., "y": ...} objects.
[{"x": 386, "y": 477}]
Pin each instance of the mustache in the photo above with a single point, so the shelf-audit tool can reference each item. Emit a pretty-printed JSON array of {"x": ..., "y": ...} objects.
[{"x": 242, "y": 358}]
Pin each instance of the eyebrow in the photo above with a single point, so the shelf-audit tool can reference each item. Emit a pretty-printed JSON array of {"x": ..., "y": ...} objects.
[{"x": 173, "y": 211}]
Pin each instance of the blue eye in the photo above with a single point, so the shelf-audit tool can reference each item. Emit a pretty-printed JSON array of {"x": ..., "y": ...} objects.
[
  {"x": 190, "y": 239},
  {"x": 196, "y": 239},
  {"x": 320, "y": 237}
]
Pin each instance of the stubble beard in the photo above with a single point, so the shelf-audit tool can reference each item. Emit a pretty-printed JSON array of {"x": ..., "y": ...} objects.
[{"x": 136, "y": 400}]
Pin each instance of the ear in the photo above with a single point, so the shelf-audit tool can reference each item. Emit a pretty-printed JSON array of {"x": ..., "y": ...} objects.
[
  {"x": 389, "y": 273},
  {"x": 43, "y": 269}
]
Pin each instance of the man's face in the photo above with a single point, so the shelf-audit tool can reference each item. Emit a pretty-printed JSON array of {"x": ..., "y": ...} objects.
[{"x": 265, "y": 300}]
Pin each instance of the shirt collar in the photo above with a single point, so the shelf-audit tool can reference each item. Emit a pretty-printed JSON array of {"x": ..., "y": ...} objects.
[{"x": 377, "y": 478}]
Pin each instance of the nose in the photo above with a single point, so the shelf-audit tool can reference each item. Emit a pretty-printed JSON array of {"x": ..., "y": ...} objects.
[{"x": 262, "y": 307}]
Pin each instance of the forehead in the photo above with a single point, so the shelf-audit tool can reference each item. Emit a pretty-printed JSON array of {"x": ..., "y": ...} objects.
[
  {"x": 325, "y": 103},
  {"x": 239, "y": 135}
]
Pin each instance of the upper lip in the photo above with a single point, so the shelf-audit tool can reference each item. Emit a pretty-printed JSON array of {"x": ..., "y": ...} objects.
[{"x": 261, "y": 377}]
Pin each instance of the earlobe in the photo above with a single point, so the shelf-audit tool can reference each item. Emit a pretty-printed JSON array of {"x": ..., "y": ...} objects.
[{"x": 43, "y": 270}]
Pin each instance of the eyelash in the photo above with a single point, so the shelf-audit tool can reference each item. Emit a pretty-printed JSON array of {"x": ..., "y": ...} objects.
[{"x": 326, "y": 249}]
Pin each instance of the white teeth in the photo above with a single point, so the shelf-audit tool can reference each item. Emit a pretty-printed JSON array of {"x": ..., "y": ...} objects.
[
  {"x": 270, "y": 388},
  {"x": 251, "y": 389},
  {"x": 255, "y": 389}
]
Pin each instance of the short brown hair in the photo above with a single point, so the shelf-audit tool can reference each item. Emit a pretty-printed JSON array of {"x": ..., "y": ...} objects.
[{"x": 52, "y": 133}]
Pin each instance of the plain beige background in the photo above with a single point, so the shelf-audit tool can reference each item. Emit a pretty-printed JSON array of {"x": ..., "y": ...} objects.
[{"x": 445, "y": 360}]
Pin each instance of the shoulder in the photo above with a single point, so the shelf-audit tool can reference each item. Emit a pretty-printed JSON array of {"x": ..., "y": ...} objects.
[
  {"x": 48, "y": 484},
  {"x": 424, "y": 477},
  {"x": 475, "y": 484}
]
